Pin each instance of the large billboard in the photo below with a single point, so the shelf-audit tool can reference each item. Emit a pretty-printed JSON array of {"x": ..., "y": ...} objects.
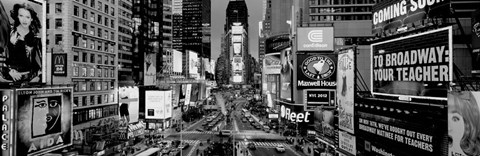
[
  {"x": 150, "y": 69},
  {"x": 418, "y": 66},
  {"x": 23, "y": 41},
  {"x": 168, "y": 104},
  {"x": 154, "y": 104},
  {"x": 317, "y": 71},
  {"x": 476, "y": 41},
  {"x": 346, "y": 89},
  {"x": 397, "y": 13},
  {"x": 463, "y": 123},
  {"x": 177, "y": 61},
  {"x": 43, "y": 120},
  {"x": 188, "y": 90},
  {"x": 129, "y": 103},
  {"x": 324, "y": 124},
  {"x": 193, "y": 63},
  {"x": 272, "y": 64},
  {"x": 286, "y": 74},
  {"x": 319, "y": 97},
  {"x": 315, "y": 39}
]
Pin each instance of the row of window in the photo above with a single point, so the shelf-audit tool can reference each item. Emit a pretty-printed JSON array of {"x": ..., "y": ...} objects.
[
  {"x": 105, "y": 34},
  {"x": 99, "y": 18},
  {"x": 93, "y": 72},
  {"x": 339, "y": 17},
  {"x": 93, "y": 44},
  {"x": 99, "y": 6},
  {"x": 58, "y": 23},
  {"x": 85, "y": 115},
  {"x": 107, "y": 59},
  {"x": 85, "y": 86}
]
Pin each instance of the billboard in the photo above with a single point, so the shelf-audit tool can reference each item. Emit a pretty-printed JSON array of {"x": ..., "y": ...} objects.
[
  {"x": 237, "y": 48},
  {"x": 237, "y": 28},
  {"x": 236, "y": 38},
  {"x": 319, "y": 97},
  {"x": 345, "y": 89},
  {"x": 154, "y": 104},
  {"x": 176, "y": 93},
  {"x": 177, "y": 61},
  {"x": 129, "y": 103},
  {"x": 23, "y": 54},
  {"x": 237, "y": 78},
  {"x": 324, "y": 124},
  {"x": 168, "y": 104},
  {"x": 193, "y": 63},
  {"x": 237, "y": 64},
  {"x": 188, "y": 90},
  {"x": 150, "y": 69},
  {"x": 8, "y": 132},
  {"x": 317, "y": 71},
  {"x": 195, "y": 93},
  {"x": 59, "y": 64},
  {"x": 44, "y": 120},
  {"x": 476, "y": 40},
  {"x": 182, "y": 95},
  {"x": 347, "y": 142},
  {"x": 286, "y": 74},
  {"x": 272, "y": 63},
  {"x": 315, "y": 39},
  {"x": 397, "y": 13},
  {"x": 413, "y": 66},
  {"x": 463, "y": 123}
]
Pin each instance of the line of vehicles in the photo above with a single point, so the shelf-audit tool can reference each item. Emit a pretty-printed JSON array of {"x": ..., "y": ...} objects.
[
  {"x": 166, "y": 148},
  {"x": 247, "y": 117},
  {"x": 212, "y": 120}
]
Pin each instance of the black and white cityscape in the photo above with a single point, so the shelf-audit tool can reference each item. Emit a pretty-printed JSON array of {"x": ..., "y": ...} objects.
[{"x": 240, "y": 77}]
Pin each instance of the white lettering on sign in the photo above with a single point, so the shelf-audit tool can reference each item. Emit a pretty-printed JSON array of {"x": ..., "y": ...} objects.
[
  {"x": 296, "y": 117},
  {"x": 400, "y": 9}
]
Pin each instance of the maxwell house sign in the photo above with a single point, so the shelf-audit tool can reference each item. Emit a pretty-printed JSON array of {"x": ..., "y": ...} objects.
[{"x": 317, "y": 71}]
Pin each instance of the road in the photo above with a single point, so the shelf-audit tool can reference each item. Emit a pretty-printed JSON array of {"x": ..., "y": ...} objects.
[{"x": 267, "y": 151}]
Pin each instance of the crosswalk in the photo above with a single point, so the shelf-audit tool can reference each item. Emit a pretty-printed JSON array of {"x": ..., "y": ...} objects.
[
  {"x": 192, "y": 142},
  {"x": 264, "y": 144},
  {"x": 197, "y": 132}
]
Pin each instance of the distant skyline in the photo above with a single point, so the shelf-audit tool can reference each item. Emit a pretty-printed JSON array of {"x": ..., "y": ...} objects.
[{"x": 219, "y": 8}]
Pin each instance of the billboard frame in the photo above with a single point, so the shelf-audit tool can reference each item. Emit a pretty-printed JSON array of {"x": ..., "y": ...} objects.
[{"x": 410, "y": 97}]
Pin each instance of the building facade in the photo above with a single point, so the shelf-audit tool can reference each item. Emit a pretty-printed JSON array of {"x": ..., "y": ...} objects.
[{"x": 125, "y": 56}]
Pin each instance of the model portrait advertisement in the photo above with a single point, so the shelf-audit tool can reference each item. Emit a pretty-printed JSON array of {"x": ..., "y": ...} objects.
[{"x": 463, "y": 123}]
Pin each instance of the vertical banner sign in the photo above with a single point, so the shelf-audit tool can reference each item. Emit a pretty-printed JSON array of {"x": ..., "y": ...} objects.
[
  {"x": 476, "y": 41},
  {"x": 416, "y": 66},
  {"x": 286, "y": 74},
  {"x": 188, "y": 91},
  {"x": 59, "y": 64},
  {"x": 153, "y": 104},
  {"x": 44, "y": 120},
  {"x": 22, "y": 54},
  {"x": 345, "y": 89},
  {"x": 347, "y": 142},
  {"x": 168, "y": 104},
  {"x": 317, "y": 71},
  {"x": 7, "y": 123},
  {"x": 463, "y": 123},
  {"x": 150, "y": 69}
]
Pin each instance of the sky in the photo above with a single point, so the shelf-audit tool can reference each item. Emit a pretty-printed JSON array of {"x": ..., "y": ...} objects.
[{"x": 219, "y": 9}]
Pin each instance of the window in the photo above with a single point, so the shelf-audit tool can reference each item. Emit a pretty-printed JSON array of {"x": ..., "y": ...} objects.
[
  {"x": 58, "y": 8},
  {"x": 113, "y": 1},
  {"x": 48, "y": 23},
  {"x": 99, "y": 59},
  {"x": 99, "y": 6},
  {"x": 106, "y": 21},
  {"x": 92, "y": 16},
  {"x": 99, "y": 45},
  {"x": 76, "y": 11},
  {"x": 76, "y": 41},
  {"x": 85, "y": 2},
  {"x": 105, "y": 97},
  {"x": 75, "y": 99},
  {"x": 84, "y": 100},
  {"x": 112, "y": 11},
  {"x": 106, "y": 47},
  {"x": 112, "y": 36},
  {"x": 75, "y": 25},
  {"x": 112, "y": 85},
  {"x": 112, "y": 23},
  {"x": 92, "y": 3},
  {"x": 112, "y": 60},
  {"x": 106, "y": 9},
  {"x": 99, "y": 19},
  {"x": 48, "y": 8},
  {"x": 84, "y": 42},
  {"x": 105, "y": 60},
  {"x": 58, "y": 23},
  {"x": 84, "y": 28},
  {"x": 105, "y": 35},
  {"x": 99, "y": 99},
  {"x": 84, "y": 14},
  {"x": 99, "y": 84},
  {"x": 91, "y": 88},
  {"x": 92, "y": 30},
  {"x": 99, "y": 74},
  {"x": 75, "y": 58},
  {"x": 58, "y": 38},
  {"x": 99, "y": 32},
  {"x": 111, "y": 48},
  {"x": 92, "y": 44},
  {"x": 92, "y": 98},
  {"x": 84, "y": 59}
]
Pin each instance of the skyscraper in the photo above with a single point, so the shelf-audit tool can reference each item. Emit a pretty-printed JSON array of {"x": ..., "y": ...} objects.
[
  {"x": 125, "y": 24},
  {"x": 196, "y": 25}
]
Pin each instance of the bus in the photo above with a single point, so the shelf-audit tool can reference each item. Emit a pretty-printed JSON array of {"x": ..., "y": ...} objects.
[{"x": 151, "y": 152}]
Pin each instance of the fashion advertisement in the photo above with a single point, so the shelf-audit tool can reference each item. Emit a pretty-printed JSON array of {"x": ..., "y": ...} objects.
[
  {"x": 286, "y": 74},
  {"x": 414, "y": 66},
  {"x": 129, "y": 103},
  {"x": 22, "y": 41},
  {"x": 463, "y": 123},
  {"x": 476, "y": 40},
  {"x": 150, "y": 69},
  {"x": 345, "y": 89},
  {"x": 44, "y": 120}
]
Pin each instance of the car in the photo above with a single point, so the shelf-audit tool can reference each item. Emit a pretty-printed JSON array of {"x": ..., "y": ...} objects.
[
  {"x": 183, "y": 145},
  {"x": 280, "y": 148},
  {"x": 251, "y": 120},
  {"x": 244, "y": 120},
  {"x": 251, "y": 146}
]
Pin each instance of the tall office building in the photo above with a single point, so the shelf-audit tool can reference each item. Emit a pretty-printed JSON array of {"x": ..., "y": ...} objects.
[
  {"x": 236, "y": 12},
  {"x": 177, "y": 29},
  {"x": 125, "y": 24},
  {"x": 196, "y": 26},
  {"x": 85, "y": 31},
  {"x": 167, "y": 36}
]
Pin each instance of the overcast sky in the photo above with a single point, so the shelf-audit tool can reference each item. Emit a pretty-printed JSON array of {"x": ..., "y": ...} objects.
[{"x": 219, "y": 9}]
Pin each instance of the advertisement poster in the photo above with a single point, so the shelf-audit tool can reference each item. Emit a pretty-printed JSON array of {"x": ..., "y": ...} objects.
[
  {"x": 347, "y": 142},
  {"x": 402, "y": 135},
  {"x": 154, "y": 106},
  {"x": 168, "y": 104},
  {"x": 188, "y": 91},
  {"x": 59, "y": 64},
  {"x": 315, "y": 39},
  {"x": 44, "y": 120},
  {"x": 317, "y": 71},
  {"x": 193, "y": 63},
  {"x": 129, "y": 103},
  {"x": 195, "y": 93},
  {"x": 176, "y": 95},
  {"x": 324, "y": 124},
  {"x": 22, "y": 41},
  {"x": 463, "y": 123},
  {"x": 476, "y": 41},
  {"x": 397, "y": 13},
  {"x": 286, "y": 74},
  {"x": 181, "y": 97},
  {"x": 7, "y": 122},
  {"x": 177, "y": 61},
  {"x": 319, "y": 97},
  {"x": 413, "y": 66},
  {"x": 345, "y": 89},
  {"x": 150, "y": 69},
  {"x": 272, "y": 64}
]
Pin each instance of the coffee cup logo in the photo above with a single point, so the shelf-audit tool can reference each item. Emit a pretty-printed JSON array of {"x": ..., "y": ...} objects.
[{"x": 318, "y": 67}]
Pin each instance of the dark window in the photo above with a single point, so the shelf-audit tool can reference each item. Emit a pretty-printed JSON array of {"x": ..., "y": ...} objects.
[
  {"x": 76, "y": 11},
  {"x": 99, "y": 19},
  {"x": 58, "y": 23},
  {"x": 76, "y": 41},
  {"x": 84, "y": 57},
  {"x": 75, "y": 100},
  {"x": 75, "y": 57},
  {"x": 84, "y": 28},
  {"x": 75, "y": 25},
  {"x": 92, "y": 98},
  {"x": 58, "y": 38},
  {"x": 92, "y": 3},
  {"x": 48, "y": 23},
  {"x": 92, "y": 58},
  {"x": 99, "y": 99},
  {"x": 58, "y": 8},
  {"x": 84, "y": 14}
]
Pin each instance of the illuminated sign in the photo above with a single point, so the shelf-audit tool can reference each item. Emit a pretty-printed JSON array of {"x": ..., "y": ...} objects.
[
  {"x": 59, "y": 65},
  {"x": 315, "y": 39},
  {"x": 7, "y": 122},
  {"x": 317, "y": 71},
  {"x": 288, "y": 114}
]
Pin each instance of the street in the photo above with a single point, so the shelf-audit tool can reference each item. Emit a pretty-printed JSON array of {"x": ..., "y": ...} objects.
[{"x": 268, "y": 151}]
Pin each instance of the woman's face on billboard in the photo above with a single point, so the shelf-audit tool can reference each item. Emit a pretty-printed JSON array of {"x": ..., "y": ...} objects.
[
  {"x": 24, "y": 17},
  {"x": 456, "y": 126}
]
